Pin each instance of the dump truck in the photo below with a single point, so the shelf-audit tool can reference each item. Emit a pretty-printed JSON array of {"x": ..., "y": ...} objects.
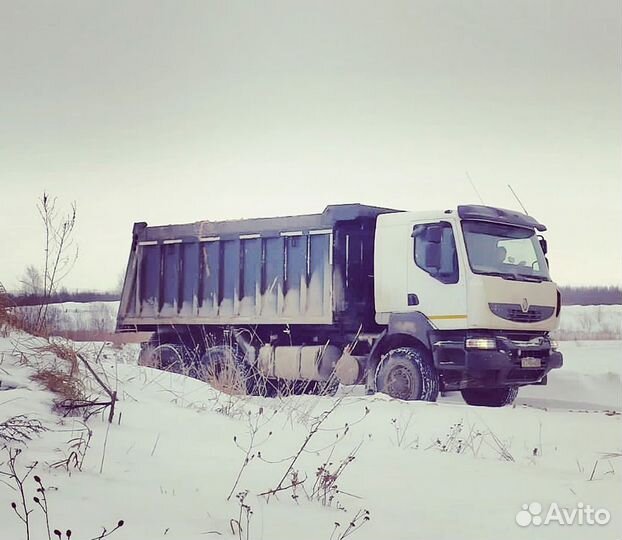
[{"x": 407, "y": 303}]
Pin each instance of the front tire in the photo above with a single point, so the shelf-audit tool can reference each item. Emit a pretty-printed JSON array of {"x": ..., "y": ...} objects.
[
  {"x": 408, "y": 373},
  {"x": 490, "y": 397}
]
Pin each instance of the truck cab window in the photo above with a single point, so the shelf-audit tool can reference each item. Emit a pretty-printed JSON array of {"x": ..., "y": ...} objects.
[
  {"x": 435, "y": 251},
  {"x": 504, "y": 250}
]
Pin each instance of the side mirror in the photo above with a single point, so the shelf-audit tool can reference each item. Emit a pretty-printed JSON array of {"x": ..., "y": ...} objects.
[
  {"x": 543, "y": 244},
  {"x": 434, "y": 234},
  {"x": 429, "y": 233},
  {"x": 433, "y": 256}
]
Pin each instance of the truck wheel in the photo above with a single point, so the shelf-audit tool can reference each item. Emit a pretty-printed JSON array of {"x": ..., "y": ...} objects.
[
  {"x": 407, "y": 373},
  {"x": 490, "y": 397},
  {"x": 224, "y": 368},
  {"x": 168, "y": 357}
]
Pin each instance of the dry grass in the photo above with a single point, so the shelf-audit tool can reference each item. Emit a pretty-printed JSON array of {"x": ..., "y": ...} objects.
[
  {"x": 23, "y": 321},
  {"x": 56, "y": 368},
  {"x": 63, "y": 351},
  {"x": 226, "y": 377},
  {"x": 5, "y": 313},
  {"x": 68, "y": 387},
  {"x": 55, "y": 364}
]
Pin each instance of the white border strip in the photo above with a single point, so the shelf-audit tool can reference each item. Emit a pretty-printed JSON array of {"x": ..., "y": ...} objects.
[
  {"x": 291, "y": 233},
  {"x": 249, "y": 236},
  {"x": 148, "y": 243},
  {"x": 321, "y": 231},
  {"x": 209, "y": 239},
  {"x": 176, "y": 241}
]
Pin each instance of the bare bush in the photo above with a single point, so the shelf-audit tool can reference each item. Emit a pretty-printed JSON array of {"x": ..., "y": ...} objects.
[
  {"x": 25, "y": 507},
  {"x": 461, "y": 438},
  {"x": 250, "y": 453},
  {"x": 20, "y": 429},
  {"x": 60, "y": 255},
  {"x": 69, "y": 388},
  {"x": 242, "y": 525},
  {"x": 6, "y": 312},
  {"x": 315, "y": 427},
  {"x": 325, "y": 487},
  {"x": 402, "y": 440},
  {"x": 78, "y": 447},
  {"x": 359, "y": 519},
  {"x": 57, "y": 368},
  {"x": 32, "y": 281}
]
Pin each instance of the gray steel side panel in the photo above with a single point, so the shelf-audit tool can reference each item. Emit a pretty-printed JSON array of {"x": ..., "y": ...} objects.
[
  {"x": 255, "y": 271},
  {"x": 284, "y": 279}
]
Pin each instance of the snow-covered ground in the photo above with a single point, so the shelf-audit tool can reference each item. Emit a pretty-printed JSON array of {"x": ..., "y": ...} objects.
[
  {"x": 423, "y": 470},
  {"x": 72, "y": 316},
  {"x": 590, "y": 322}
]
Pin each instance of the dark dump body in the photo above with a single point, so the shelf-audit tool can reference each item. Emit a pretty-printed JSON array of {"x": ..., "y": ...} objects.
[{"x": 309, "y": 269}]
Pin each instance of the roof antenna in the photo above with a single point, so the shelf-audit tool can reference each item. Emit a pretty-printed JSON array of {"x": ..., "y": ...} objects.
[
  {"x": 474, "y": 188},
  {"x": 519, "y": 201}
]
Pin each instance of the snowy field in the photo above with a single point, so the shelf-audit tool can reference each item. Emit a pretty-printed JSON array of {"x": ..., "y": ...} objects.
[
  {"x": 590, "y": 322},
  {"x": 177, "y": 449},
  {"x": 74, "y": 316}
]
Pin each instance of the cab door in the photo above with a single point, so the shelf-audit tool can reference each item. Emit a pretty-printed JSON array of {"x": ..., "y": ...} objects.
[{"x": 435, "y": 277}]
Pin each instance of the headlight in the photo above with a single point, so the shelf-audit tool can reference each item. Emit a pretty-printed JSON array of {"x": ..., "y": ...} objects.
[
  {"x": 481, "y": 343},
  {"x": 554, "y": 345}
]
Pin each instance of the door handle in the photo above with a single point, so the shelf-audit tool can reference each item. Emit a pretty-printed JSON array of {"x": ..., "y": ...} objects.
[{"x": 413, "y": 299}]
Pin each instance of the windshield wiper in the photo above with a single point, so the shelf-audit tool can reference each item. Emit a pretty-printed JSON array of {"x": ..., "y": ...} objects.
[
  {"x": 530, "y": 277},
  {"x": 516, "y": 276},
  {"x": 504, "y": 275}
]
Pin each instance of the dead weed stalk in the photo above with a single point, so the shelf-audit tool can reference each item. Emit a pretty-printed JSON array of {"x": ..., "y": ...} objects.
[
  {"x": 20, "y": 429},
  {"x": 24, "y": 507}
]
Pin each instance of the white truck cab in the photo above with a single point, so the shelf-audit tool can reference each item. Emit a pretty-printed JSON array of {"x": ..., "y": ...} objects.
[
  {"x": 477, "y": 279},
  {"x": 465, "y": 269}
]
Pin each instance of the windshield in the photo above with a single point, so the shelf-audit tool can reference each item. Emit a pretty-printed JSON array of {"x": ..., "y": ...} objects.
[{"x": 504, "y": 250}]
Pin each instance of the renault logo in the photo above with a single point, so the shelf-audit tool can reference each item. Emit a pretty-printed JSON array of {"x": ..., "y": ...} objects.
[{"x": 524, "y": 305}]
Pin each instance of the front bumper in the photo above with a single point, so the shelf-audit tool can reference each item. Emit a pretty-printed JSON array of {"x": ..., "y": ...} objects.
[{"x": 511, "y": 362}]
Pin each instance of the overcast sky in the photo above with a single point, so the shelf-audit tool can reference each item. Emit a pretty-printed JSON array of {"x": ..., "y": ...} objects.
[{"x": 180, "y": 111}]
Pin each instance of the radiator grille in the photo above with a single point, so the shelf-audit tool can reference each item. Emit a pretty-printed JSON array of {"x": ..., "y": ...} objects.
[{"x": 514, "y": 312}]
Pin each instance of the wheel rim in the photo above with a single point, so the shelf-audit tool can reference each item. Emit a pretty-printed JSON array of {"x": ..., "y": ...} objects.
[{"x": 399, "y": 383}]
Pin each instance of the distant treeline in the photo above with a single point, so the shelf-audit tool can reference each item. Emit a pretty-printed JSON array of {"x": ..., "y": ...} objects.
[
  {"x": 571, "y": 296},
  {"x": 63, "y": 296},
  {"x": 588, "y": 296}
]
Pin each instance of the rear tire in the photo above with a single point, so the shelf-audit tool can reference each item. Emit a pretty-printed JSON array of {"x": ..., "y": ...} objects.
[
  {"x": 167, "y": 357},
  {"x": 490, "y": 397},
  {"x": 408, "y": 373},
  {"x": 224, "y": 368}
]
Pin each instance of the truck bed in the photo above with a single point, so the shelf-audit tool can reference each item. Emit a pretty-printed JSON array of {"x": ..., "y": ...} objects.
[{"x": 309, "y": 269}]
